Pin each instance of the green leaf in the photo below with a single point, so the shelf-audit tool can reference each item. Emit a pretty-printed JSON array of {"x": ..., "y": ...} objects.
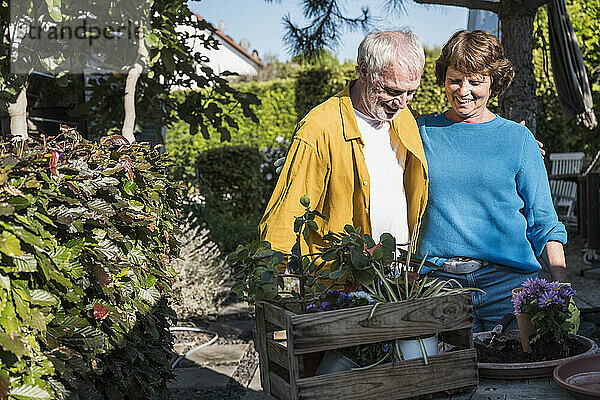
[
  {"x": 42, "y": 297},
  {"x": 364, "y": 276},
  {"x": 266, "y": 277},
  {"x": 25, "y": 235},
  {"x": 36, "y": 320},
  {"x": 130, "y": 187},
  {"x": 330, "y": 254},
  {"x": 12, "y": 344},
  {"x": 358, "y": 258},
  {"x": 10, "y": 244},
  {"x": 339, "y": 273},
  {"x": 277, "y": 258},
  {"x": 54, "y": 9},
  {"x": 20, "y": 202},
  {"x": 305, "y": 201},
  {"x": 25, "y": 263},
  {"x": 61, "y": 256},
  {"x": 388, "y": 242},
  {"x": 30, "y": 392},
  {"x": 101, "y": 207},
  {"x": 152, "y": 40},
  {"x": 378, "y": 253},
  {"x": 136, "y": 256},
  {"x": 349, "y": 229}
]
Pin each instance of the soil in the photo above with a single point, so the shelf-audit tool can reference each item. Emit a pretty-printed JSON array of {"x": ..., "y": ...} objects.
[{"x": 510, "y": 351}]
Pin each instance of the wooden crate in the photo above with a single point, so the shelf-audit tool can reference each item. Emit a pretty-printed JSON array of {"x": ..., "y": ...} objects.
[{"x": 286, "y": 367}]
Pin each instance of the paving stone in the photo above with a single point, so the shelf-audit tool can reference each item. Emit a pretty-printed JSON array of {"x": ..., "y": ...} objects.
[
  {"x": 236, "y": 308},
  {"x": 223, "y": 353},
  {"x": 255, "y": 382},
  {"x": 201, "y": 378},
  {"x": 239, "y": 328}
]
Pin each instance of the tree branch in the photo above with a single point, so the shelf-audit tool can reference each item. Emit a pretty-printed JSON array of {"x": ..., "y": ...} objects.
[
  {"x": 492, "y": 6},
  {"x": 130, "y": 85}
]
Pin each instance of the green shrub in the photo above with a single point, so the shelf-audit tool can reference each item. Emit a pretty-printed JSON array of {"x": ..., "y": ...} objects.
[
  {"x": 276, "y": 118},
  {"x": 231, "y": 182},
  {"x": 84, "y": 274},
  {"x": 315, "y": 84}
]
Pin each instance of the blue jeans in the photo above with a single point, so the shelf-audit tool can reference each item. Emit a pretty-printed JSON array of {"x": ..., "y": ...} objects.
[{"x": 497, "y": 281}]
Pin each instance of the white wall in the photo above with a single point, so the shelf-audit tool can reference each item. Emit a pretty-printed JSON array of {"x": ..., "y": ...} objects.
[{"x": 226, "y": 58}]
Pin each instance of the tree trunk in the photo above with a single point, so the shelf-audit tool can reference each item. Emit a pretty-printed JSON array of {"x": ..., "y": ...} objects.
[
  {"x": 519, "y": 102},
  {"x": 132, "y": 78},
  {"x": 17, "y": 112}
]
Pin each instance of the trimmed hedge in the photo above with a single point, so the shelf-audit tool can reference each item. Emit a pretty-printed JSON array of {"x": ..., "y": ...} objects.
[
  {"x": 276, "y": 116},
  {"x": 231, "y": 182},
  {"x": 86, "y": 240},
  {"x": 315, "y": 84}
]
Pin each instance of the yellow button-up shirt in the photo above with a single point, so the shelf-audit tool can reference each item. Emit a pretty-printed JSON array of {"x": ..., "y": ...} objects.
[{"x": 325, "y": 162}]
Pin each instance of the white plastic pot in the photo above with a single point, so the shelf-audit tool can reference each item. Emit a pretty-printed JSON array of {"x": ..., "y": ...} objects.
[{"x": 411, "y": 348}]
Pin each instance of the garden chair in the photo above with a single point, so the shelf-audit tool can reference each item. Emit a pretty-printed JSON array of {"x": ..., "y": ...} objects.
[{"x": 564, "y": 191}]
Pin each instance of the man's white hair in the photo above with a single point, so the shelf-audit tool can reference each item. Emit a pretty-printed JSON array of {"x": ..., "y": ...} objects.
[{"x": 402, "y": 47}]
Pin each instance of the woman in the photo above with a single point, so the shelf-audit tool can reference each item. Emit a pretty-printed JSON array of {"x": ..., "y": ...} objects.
[{"x": 490, "y": 213}]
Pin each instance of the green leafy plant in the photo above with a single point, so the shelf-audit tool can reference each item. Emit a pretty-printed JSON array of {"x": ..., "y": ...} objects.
[
  {"x": 85, "y": 247},
  {"x": 351, "y": 261}
]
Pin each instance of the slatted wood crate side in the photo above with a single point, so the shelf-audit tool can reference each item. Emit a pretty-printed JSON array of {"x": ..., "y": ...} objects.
[
  {"x": 351, "y": 327},
  {"x": 262, "y": 348},
  {"x": 281, "y": 366},
  {"x": 392, "y": 381}
]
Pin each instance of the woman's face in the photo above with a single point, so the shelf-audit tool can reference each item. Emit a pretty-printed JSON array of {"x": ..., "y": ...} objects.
[{"x": 468, "y": 95}]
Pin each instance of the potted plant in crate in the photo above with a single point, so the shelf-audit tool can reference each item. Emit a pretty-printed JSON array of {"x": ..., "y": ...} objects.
[{"x": 400, "y": 304}]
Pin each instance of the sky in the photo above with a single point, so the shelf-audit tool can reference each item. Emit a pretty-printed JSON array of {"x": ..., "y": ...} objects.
[{"x": 260, "y": 22}]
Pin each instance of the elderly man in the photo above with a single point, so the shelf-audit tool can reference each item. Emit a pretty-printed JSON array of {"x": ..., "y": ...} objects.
[{"x": 358, "y": 156}]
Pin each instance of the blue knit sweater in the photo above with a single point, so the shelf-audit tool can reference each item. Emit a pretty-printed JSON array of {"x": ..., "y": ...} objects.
[{"x": 489, "y": 196}]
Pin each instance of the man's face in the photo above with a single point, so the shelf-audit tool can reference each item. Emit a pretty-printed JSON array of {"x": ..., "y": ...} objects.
[{"x": 388, "y": 94}]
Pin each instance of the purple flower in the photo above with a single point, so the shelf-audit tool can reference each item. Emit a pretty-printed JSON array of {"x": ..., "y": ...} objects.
[
  {"x": 548, "y": 298},
  {"x": 312, "y": 308},
  {"x": 554, "y": 286},
  {"x": 387, "y": 347},
  {"x": 324, "y": 305},
  {"x": 566, "y": 291},
  {"x": 517, "y": 300},
  {"x": 534, "y": 286}
]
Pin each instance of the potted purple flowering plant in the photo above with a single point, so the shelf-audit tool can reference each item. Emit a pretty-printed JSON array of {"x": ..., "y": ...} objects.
[{"x": 544, "y": 317}]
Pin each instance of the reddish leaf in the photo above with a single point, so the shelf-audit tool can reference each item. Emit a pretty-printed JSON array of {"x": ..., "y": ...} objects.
[
  {"x": 127, "y": 164},
  {"x": 100, "y": 311},
  {"x": 114, "y": 140},
  {"x": 372, "y": 249},
  {"x": 54, "y": 156}
]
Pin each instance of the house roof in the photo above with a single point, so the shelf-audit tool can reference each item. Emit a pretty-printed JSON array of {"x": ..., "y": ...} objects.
[{"x": 252, "y": 57}]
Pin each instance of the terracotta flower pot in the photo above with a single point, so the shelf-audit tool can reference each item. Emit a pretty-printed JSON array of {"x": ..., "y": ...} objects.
[{"x": 525, "y": 328}]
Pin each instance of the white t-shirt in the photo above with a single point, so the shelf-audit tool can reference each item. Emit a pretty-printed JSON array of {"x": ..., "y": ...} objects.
[{"x": 386, "y": 174}]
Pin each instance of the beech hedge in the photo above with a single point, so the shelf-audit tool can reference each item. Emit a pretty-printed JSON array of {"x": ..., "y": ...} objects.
[{"x": 85, "y": 242}]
